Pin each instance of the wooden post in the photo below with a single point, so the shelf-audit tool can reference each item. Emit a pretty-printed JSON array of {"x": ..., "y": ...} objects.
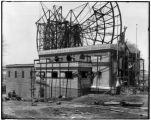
[
  {"x": 110, "y": 70},
  {"x": 51, "y": 79},
  {"x": 117, "y": 57},
  {"x": 55, "y": 82},
  {"x": 128, "y": 77},
  {"x": 40, "y": 79},
  {"x": 46, "y": 81},
  {"x": 31, "y": 85},
  {"x": 59, "y": 79},
  {"x": 67, "y": 81},
  {"x": 97, "y": 77}
]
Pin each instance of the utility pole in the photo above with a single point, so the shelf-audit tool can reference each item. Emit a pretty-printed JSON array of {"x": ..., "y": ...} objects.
[
  {"x": 136, "y": 39},
  {"x": 136, "y": 70}
]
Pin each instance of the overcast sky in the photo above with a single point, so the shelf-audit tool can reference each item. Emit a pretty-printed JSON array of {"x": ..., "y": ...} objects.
[{"x": 19, "y": 29}]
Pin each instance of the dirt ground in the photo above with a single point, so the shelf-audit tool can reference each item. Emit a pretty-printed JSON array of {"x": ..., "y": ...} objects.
[{"x": 81, "y": 108}]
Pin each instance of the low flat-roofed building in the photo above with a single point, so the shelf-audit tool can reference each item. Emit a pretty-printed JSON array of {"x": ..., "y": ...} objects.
[{"x": 18, "y": 78}]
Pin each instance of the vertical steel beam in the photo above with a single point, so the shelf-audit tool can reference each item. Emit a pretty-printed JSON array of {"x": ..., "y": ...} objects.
[{"x": 113, "y": 21}]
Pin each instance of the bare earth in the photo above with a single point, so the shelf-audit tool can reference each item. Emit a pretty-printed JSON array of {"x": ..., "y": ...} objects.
[{"x": 81, "y": 108}]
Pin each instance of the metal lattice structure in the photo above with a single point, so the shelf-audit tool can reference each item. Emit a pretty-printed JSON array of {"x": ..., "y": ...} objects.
[{"x": 89, "y": 24}]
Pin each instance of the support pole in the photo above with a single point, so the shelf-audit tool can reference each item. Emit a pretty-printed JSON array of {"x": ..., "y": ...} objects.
[
  {"x": 136, "y": 70},
  {"x": 55, "y": 86},
  {"x": 40, "y": 79},
  {"x": 49, "y": 82},
  {"x": 117, "y": 57},
  {"x": 59, "y": 79},
  {"x": 32, "y": 76},
  {"x": 67, "y": 81},
  {"x": 128, "y": 76},
  {"x": 31, "y": 85},
  {"x": 111, "y": 71},
  {"x": 139, "y": 66},
  {"x": 97, "y": 76},
  {"x": 46, "y": 82},
  {"x": 51, "y": 79},
  {"x": 123, "y": 65}
]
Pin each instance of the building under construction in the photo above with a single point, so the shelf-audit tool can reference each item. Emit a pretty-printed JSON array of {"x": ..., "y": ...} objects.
[{"x": 83, "y": 52}]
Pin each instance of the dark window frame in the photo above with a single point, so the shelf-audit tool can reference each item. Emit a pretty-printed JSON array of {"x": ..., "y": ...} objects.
[
  {"x": 3, "y": 89},
  {"x": 54, "y": 74},
  {"x": 68, "y": 74},
  {"x": 15, "y": 74},
  {"x": 23, "y": 74},
  {"x": 8, "y": 73},
  {"x": 83, "y": 74}
]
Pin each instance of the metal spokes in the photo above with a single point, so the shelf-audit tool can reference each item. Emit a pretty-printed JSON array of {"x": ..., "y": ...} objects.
[{"x": 89, "y": 24}]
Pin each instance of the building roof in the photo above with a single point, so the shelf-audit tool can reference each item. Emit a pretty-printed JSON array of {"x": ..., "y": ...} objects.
[
  {"x": 19, "y": 65},
  {"x": 76, "y": 50}
]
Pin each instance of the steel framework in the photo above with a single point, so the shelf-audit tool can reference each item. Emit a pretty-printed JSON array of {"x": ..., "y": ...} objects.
[{"x": 89, "y": 24}]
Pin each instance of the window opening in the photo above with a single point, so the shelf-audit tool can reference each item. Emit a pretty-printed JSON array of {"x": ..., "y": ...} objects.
[
  {"x": 15, "y": 74},
  {"x": 68, "y": 74},
  {"x": 54, "y": 74}
]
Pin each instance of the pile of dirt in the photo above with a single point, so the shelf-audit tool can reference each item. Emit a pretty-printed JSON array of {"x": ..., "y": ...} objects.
[
  {"x": 7, "y": 116},
  {"x": 91, "y": 98}
]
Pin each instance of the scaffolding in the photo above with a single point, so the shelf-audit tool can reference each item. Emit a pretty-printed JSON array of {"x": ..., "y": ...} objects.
[
  {"x": 129, "y": 68},
  {"x": 56, "y": 67},
  {"x": 102, "y": 24}
]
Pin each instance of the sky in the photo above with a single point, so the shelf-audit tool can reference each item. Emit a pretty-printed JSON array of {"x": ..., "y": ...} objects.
[{"x": 19, "y": 28}]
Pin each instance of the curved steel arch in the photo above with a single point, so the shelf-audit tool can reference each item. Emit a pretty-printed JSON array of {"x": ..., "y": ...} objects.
[{"x": 89, "y": 24}]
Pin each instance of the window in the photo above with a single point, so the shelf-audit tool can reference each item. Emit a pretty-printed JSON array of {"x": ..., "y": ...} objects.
[
  {"x": 69, "y": 58},
  {"x": 3, "y": 89},
  {"x": 83, "y": 74},
  {"x": 22, "y": 74},
  {"x": 82, "y": 56},
  {"x": 15, "y": 74},
  {"x": 68, "y": 74},
  {"x": 88, "y": 59},
  {"x": 55, "y": 74},
  {"x": 8, "y": 73}
]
